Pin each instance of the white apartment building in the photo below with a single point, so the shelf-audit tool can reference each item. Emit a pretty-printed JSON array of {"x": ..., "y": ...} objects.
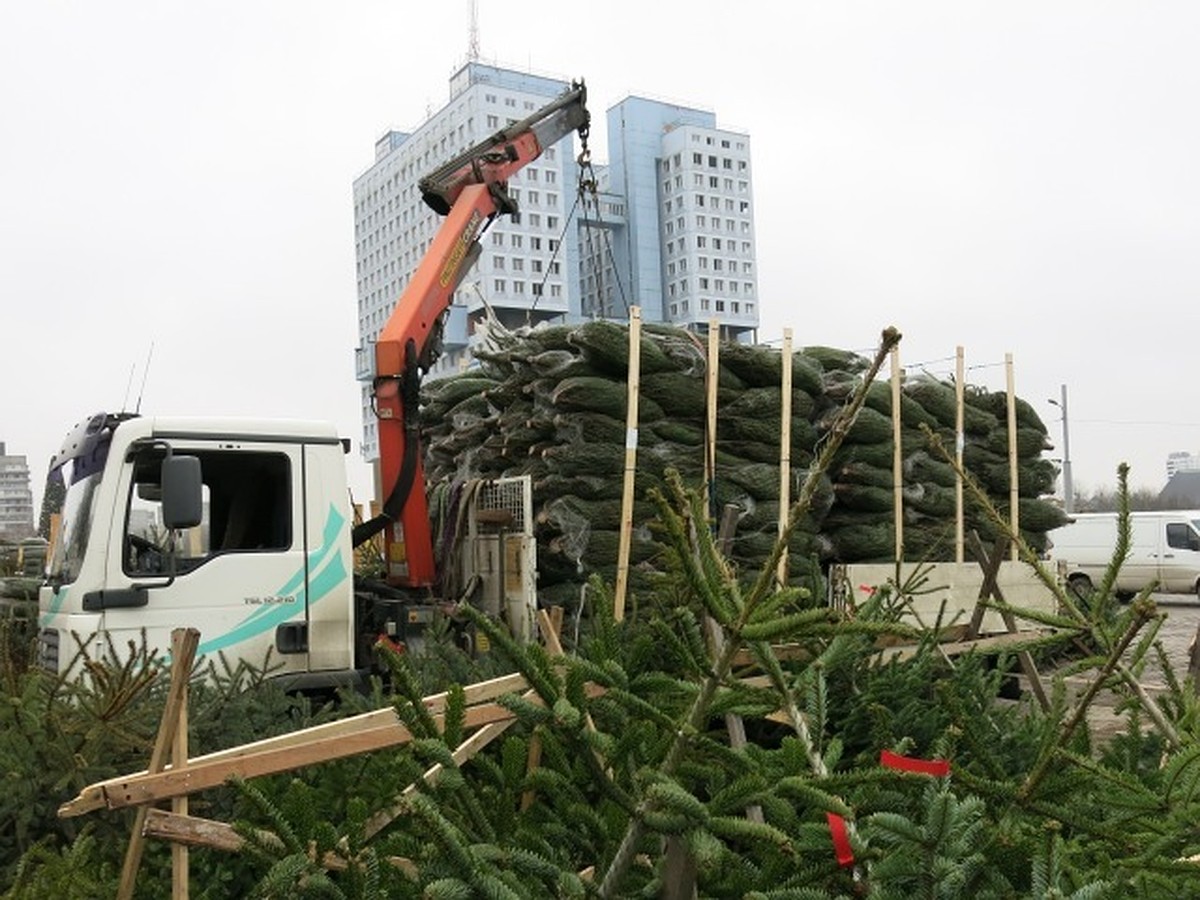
[{"x": 16, "y": 498}]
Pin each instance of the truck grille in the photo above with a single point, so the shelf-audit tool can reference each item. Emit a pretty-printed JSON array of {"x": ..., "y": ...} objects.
[{"x": 48, "y": 649}]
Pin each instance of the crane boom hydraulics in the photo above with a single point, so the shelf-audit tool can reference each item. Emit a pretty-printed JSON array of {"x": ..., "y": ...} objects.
[{"x": 470, "y": 191}]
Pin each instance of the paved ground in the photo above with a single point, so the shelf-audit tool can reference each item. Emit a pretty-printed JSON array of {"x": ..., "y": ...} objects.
[{"x": 1176, "y": 634}]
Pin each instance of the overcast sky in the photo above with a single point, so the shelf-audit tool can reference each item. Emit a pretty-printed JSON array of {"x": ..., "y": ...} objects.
[{"x": 1009, "y": 177}]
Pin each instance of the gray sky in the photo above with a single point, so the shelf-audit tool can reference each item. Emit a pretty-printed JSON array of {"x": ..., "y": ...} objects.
[{"x": 1012, "y": 177}]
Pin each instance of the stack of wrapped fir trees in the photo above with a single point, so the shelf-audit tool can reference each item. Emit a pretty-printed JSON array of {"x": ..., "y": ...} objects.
[{"x": 551, "y": 402}]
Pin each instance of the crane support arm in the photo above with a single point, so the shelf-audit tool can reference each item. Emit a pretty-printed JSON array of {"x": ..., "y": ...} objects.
[{"x": 470, "y": 190}]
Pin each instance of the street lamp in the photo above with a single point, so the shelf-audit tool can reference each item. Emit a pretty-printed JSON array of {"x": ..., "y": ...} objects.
[{"x": 1068, "y": 491}]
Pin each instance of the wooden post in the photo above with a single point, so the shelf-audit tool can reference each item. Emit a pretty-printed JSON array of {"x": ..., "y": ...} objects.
[
  {"x": 1013, "y": 493},
  {"x": 991, "y": 569},
  {"x": 631, "y": 441},
  {"x": 897, "y": 458},
  {"x": 785, "y": 453},
  {"x": 711, "y": 377},
  {"x": 959, "y": 442},
  {"x": 179, "y": 805},
  {"x": 184, "y": 643}
]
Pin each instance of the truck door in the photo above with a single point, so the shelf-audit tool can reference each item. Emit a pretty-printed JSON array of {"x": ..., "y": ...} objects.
[
  {"x": 1179, "y": 568},
  {"x": 238, "y": 576}
]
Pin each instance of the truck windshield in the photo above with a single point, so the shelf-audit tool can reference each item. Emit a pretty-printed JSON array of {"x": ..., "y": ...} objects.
[{"x": 71, "y": 546}]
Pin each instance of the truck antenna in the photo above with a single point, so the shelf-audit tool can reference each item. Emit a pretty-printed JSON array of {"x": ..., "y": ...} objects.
[
  {"x": 128, "y": 386},
  {"x": 146, "y": 371}
]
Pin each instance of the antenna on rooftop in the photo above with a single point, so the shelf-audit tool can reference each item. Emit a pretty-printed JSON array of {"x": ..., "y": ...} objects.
[
  {"x": 473, "y": 34},
  {"x": 145, "y": 372}
]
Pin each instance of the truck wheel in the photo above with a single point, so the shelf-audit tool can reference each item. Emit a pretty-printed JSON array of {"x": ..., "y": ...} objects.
[{"x": 1080, "y": 586}]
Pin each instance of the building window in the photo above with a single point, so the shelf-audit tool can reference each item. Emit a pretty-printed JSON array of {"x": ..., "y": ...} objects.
[
  {"x": 499, "y": 286},
  {"x": 720, "y": 306},
  {"x": 517, "y": 240},
  {"x": 497, "y": 262},
  {"x": 698, "y": 159}
]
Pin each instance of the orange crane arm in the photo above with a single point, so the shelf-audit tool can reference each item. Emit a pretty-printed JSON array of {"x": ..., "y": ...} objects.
[{"x": 470, "y": 190}]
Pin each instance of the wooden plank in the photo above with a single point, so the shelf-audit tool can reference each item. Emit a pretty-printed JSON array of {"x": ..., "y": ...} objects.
[
  {"x": 183, "y": 654},
  {"x": 192, "y": 831},
  {"x": 631, "y": 440},
  {"x": 198, "y": 776},
  {"x": 989, "y": 644},
  {"x": 94, "y": 796}
]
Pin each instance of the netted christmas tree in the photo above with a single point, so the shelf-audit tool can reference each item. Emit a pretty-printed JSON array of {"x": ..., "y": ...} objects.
[{"x": 550, "y": 402}]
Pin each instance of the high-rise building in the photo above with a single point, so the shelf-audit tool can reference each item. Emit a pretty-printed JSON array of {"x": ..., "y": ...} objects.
[
  {"x": 16, "y": 498},
  {"x": 680, "y": 239},
  {"x": 1182, "y": 461},
  {"x": 522, "y": 274},
  {"x": 670, "y": 227}
]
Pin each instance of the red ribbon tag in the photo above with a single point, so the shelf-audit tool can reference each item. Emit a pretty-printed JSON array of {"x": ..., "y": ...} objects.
[
  {"x": 841, "y": 840},
  {"x": 939, "y": 768}
]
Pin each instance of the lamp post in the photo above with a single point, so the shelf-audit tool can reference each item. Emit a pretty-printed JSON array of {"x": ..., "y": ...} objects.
[{"x": 1068, "y": 490}]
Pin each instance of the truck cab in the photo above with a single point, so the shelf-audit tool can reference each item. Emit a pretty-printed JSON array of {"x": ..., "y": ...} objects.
[{"x": 263, "y": 568}]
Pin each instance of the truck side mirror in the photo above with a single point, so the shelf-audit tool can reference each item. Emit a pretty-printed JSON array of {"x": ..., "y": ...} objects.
[{"x": 182, "y": 492}]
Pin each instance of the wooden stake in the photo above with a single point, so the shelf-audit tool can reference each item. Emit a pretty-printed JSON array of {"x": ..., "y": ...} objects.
[
  {"x": 785, "y": 453},
  {"x": 1010, "y": 623},
  {"x": 897, "y": 458},
  {"x": 183, "y": 643},
  {"x": 1013, "y": 493},
  {"x": 711, "y": 377},
  {"x": 631, "y": 442},
  {"x": 179, "y": 805},
  {"x": 959, "y": 442}
]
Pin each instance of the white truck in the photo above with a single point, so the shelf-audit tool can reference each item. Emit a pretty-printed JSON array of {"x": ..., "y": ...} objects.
[
  {"x": 242, "y": 529},
  {"x": 1164, "y": 551}
]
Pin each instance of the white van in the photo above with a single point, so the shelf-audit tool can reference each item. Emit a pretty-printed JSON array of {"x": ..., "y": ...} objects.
[{"x": 1164, "y": 549}]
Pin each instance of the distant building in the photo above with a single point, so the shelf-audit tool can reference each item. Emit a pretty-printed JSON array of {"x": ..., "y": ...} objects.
[
  {"x": 1182, "y": 491},
  {"x": 1182, "y": 461},
  {"x": 16, "y": 498},
  {"x": 680, "y": 242},
  {"x": 673, "y": 232}
]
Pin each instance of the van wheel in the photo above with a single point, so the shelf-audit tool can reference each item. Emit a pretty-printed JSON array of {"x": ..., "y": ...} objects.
[{"x": 1080, "y": 586}]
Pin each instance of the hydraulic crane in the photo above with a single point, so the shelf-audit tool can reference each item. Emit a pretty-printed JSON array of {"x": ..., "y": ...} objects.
[{"x": 470, "y": 190}]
